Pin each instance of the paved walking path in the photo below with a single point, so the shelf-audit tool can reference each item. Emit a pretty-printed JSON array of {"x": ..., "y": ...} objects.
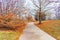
[{"x": 32, "y": 32}]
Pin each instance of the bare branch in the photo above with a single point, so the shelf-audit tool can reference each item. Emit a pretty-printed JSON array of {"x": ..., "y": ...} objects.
[
  {"x": 51, "y": 2},
  {"x": 48, "y": 9},
  {"x": 35, "y": 4}
]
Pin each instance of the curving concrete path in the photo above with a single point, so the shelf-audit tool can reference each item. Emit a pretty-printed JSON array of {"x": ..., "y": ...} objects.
[{"x": 32, "y": 32}]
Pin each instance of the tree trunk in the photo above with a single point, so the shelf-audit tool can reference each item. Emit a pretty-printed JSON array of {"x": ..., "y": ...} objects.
[{"x": 39, "y": 17}]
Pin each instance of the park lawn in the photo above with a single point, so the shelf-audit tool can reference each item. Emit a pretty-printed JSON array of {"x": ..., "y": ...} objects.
[
  {"x": 9, "y": 35},
  {"x": 52, "y": 27}
]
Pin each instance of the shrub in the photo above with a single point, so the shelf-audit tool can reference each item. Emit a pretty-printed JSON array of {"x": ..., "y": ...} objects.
[{"x": 9, "y": 21}]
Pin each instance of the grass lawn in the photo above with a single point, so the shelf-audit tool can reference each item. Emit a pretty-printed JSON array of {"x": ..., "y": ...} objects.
[
  {"x": 9, "y": 35},
  {"x": 52, "y": 27}
]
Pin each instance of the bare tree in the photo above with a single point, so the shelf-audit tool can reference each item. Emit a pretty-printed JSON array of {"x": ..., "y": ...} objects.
[
  {"x": 58, "y": 12},
  {"x": 39, "y": 9},
  {"x": 11, "y": 5},
  {"x": 0, "y": 7},
  {"x": 42, "y": 6}
]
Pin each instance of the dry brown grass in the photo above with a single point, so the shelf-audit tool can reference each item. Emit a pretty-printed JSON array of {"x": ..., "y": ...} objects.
[{"x": 52, "y": 27}]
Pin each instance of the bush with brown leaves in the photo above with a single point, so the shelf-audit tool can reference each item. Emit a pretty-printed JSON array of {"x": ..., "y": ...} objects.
[{"x": 10, "y": 21}]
